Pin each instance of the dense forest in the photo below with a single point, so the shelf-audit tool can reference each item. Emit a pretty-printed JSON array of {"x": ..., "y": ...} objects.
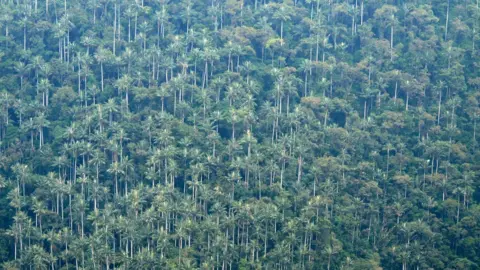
[{"x": 239, "y": 134}]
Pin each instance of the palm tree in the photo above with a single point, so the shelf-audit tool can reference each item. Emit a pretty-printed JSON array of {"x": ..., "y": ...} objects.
[
  {"x": 282, "y": 13},
  {"x": 22, "y": 173},
  {"x": 41, "y": 123},
  {"x": 306, "y": 66},
  {"x": 123, "y": 85},
  {"x": 115, "y": 169},
  {"x": 162, "y": 17},
  {"x": 163, "y": 92},
  {"x": 44, "y": 86},
  {"x": 111, "y": 107},
  {"x": 209, "y": 55},
  {"x": 127, "y": 165},
  {"x": 37, "y": 257},
  {"x": 22, "y": 70},
  {"x": 233, "y": 119},
  {"x": 102, "y": 55},
  {"x": 39, "y": 209},
  {"x": 398, "y": 210},
  {"x": 53, "y": 238}
]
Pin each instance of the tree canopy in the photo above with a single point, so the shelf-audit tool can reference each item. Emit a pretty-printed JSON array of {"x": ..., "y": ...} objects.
[{"x": 239, "y": 134}]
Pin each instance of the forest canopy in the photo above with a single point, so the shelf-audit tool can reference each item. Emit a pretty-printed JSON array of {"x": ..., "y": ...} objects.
[{"x": 239, "y": 134}]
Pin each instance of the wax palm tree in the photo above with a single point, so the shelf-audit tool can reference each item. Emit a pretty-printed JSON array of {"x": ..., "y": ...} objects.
[
  {"x": 22, "y": 70},
  {"x": 116, "y": 170},
  {"x": 123, "y": 85},
  {"x": 306, "y": 66},
  {"x": 102, "y": 55},
  {"x": 37, "y": 257},
  {"x": 127, "y": 167},
  {"x": 282, "y": 13},
  {"x": 38, "y": 207}
]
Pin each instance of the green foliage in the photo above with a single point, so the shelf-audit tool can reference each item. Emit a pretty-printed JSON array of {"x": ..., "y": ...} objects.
[{"x": 280, "y": 134}]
